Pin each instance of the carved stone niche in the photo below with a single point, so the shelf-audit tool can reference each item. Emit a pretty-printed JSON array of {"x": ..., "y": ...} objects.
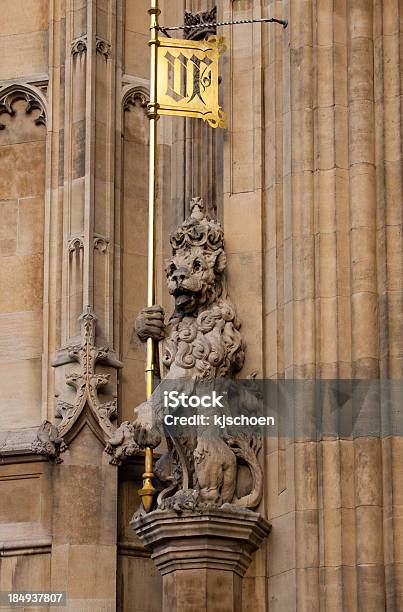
[{"x": 202, "y": 557}]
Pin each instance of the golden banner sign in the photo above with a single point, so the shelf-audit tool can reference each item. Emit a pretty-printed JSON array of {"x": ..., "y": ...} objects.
[{"x": 188, "y": 79}]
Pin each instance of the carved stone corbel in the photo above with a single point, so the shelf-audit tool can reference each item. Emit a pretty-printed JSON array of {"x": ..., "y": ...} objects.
[
  {"x": 204, "y": 555},
  {"x": 101, "y": 244},
  {"x": 79, "y": 46},
  {"x": 103, "y": 47},
  {"x": 48, "y": 442},
  {"x": 75, "y": 244}
]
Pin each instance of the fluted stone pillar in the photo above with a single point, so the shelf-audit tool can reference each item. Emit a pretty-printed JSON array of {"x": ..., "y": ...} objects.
[{"x": 202, "y": 557}]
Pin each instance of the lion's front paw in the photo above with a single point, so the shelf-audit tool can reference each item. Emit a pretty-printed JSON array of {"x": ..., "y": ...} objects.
[
  {"x": 150, "y": 323},
  {"x": 146, "y": 436}
]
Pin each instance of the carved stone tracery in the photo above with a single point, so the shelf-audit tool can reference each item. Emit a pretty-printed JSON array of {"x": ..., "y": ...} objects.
[
  {"x": 101, "y": 244},
  {"x": 31, "y": 95},
  {"x": 203, "y": 20},
  {"x": 75, "y": 244},
  {"x": 134, "y": 96}
]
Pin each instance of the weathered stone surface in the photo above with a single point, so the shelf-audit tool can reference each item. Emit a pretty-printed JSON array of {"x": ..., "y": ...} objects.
[
  {"x": 202, "y": 557},
  {"x": 208, "y": 540},
  {"x": 18, "y": 441},
  {"x": 310, "y": 168}
]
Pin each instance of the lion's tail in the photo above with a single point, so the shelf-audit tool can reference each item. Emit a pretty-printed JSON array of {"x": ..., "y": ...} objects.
[{"x": 247, "y": 448}]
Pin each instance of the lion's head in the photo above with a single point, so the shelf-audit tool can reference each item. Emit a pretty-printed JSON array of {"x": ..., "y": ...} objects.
[{"x": 195, "y": 270}]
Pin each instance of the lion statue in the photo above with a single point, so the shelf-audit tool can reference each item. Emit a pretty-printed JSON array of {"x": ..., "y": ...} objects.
[{"x": 201, "y": 341}]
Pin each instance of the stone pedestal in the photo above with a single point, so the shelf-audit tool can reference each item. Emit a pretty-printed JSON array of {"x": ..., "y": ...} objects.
[{"x": 202, "y": 557}]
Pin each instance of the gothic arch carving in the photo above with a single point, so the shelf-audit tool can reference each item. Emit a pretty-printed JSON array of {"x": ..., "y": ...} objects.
[
  {"x": 21, "y": 91},
  {"x": 79, "y": 46},
  {"x": 133, "y": 96}
]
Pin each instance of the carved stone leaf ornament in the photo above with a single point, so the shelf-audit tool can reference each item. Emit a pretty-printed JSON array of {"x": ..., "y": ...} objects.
[{"x": 48, "y": 442}]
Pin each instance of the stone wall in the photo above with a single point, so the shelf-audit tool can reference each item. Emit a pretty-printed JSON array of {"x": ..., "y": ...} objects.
[
  {"x": 24, "y": 52},
  {"x": 307, "y": 180}
]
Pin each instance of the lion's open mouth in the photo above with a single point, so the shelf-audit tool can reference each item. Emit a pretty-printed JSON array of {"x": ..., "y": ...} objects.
[{"x": 184, "y": 298}]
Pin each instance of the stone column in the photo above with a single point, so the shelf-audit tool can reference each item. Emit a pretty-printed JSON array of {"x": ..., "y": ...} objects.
[
  {"x": 202, "y": 557},
  {"x": 80, "y": 269},
  {"x": 197, "y": 146}
]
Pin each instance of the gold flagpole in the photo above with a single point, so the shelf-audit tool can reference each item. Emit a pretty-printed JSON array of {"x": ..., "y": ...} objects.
[
  {"x": 148, "y": 491},
  {"x": 185, "y": 104}
]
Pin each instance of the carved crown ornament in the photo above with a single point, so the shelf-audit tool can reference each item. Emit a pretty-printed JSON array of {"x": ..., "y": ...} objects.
[
  {"x": 86, "y": 381},
  {"x": 33, "y": 97},
  {"x": 198, "y": 231}
]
